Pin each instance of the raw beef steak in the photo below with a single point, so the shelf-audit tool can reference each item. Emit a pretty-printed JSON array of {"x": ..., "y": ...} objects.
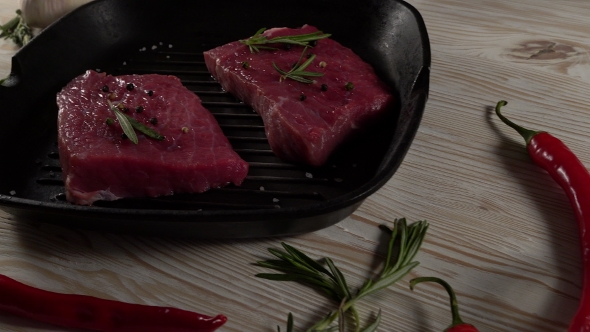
[
  {"x": 100, "y": 163},
  {"x": 303, "y": 122}
]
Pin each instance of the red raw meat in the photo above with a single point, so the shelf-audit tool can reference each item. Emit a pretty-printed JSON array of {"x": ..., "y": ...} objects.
[
  {"x": 304, "y": 131},
  {"x": 99, "y": 164}
]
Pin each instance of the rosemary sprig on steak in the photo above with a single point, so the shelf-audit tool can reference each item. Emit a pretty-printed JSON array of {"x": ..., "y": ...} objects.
[
  {"x": 404, "y": 243},
  {"x": 297, "y": 72},
  {"x": 129, "y": 124},
  {"x": 258, "y": 41}
]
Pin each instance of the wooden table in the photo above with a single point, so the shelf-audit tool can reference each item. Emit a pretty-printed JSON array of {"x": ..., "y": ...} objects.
[{"x": 502, "y": 232}]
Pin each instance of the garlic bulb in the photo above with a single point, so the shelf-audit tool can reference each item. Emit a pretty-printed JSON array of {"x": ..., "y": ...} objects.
[{"x": 41, "y": 13}]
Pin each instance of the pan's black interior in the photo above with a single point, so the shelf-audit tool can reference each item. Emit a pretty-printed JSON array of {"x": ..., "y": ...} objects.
[{"x": 146, "y": 36}]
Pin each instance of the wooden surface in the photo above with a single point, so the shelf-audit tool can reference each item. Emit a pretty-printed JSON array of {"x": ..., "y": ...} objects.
[{"x": 502, "y": 233}]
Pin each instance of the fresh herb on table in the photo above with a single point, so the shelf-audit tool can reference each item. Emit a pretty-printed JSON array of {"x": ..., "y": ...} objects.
[
  {"x": 128, "y": 124},
  {"x": 17, "y": 30},
  {"x": 298, "y": 72},
  {"x": 258, "y": 41},
  {"x": 404, "y": 243}
]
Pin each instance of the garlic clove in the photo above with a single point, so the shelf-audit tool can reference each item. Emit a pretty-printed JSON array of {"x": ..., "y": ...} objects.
[{"x": 41, "y": 13}]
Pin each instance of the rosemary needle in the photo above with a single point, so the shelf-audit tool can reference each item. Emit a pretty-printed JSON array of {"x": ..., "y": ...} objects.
[
  {"x": 297, "y": 266},
  {"x": 298, "y": 73},
  {"x": 129, "y": 124},
  {"x": 258, "y": 41}
]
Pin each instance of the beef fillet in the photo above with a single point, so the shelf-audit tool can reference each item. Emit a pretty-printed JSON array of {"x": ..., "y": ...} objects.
[
  {"x": 304, "y": 122},
  {"x": 100, "y": 163}
]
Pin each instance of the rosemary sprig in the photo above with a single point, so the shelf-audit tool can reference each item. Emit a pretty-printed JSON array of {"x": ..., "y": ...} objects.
[
  {"x": 297, "y": 266},
  {"x": 297, "y": 72},
  {"x": 17, "y": 30},
  {"x": 129, "y": 124},
  {"x": 257, "y": 42}
]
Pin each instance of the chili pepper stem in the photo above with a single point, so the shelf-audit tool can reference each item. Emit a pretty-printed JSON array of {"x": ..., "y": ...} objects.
[
  {"x": 453, "y": 298},
  {"x": 527, "y": 134}
]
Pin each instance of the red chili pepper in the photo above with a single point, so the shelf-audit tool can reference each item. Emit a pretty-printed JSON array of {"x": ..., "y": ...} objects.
[
  {"x": 568, "y": 171},
  {"x": 457, "y": 325},
  {"x": 86, "y": 312}
]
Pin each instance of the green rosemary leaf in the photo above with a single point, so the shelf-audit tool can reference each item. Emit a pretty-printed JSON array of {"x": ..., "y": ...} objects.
[
  {"x": 306, "y": 73},
  {"x": 290, "y": 259},
  {"x": 149, "y": 132},
  {"x": 307, "y": 62},
  {"x": 255, "y": 42},
  {"x": 125, "y": 124},
  {"x": 304, "y": 258},
  {"x": 339, "y": 279},
  {"x": 388, "y": 280},
  {"x": 297, "y": 73},
  {"x": 373, "y": 327}
]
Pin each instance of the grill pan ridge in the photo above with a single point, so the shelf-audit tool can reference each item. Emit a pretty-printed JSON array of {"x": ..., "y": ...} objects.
[{"x": 142, "y": 36}]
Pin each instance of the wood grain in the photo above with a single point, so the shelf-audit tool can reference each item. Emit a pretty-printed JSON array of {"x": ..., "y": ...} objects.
[{"x": 502, "y": 233}]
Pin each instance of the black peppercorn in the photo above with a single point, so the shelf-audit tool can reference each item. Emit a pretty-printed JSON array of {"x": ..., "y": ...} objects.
[
  {"x": 287, "y": 46},
  {"x": 105, "y": 89},
  {"x": 302, "y": 97},
  {"x": 313, "y": 43},
  {"x": 124, "y": 136},
  {"x": 130, "y": 86},
  {"x": 150, "y": 93},
  {"x": 324, "y": 87},
  {"x": 139, "y": 109},
  {"x": 153, "y": 121}
]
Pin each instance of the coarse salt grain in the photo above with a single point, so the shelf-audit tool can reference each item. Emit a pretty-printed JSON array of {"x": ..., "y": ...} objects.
[
  {"x": 308, "y": 175},
  {"x": 12, "y": 192},
  {"x": 276, "y": 200},
  {"x": 338, "y": 179},
  {"x": 261, "y": 188}
]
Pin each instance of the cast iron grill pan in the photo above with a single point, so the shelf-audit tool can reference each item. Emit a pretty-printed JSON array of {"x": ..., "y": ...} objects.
[{"x": 277, "y": 198}]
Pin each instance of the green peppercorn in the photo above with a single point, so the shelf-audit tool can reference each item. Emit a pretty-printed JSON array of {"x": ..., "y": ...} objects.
[
  {"x": 245, "y": 64},
  {"x": 349, "y": 86},
  {"x": 109, "y": 121}
]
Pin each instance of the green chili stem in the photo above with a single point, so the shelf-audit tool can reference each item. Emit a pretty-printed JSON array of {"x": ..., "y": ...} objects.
[
  {"x": 527, "y": 134},
  {"x": 453, "y": 298}
]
